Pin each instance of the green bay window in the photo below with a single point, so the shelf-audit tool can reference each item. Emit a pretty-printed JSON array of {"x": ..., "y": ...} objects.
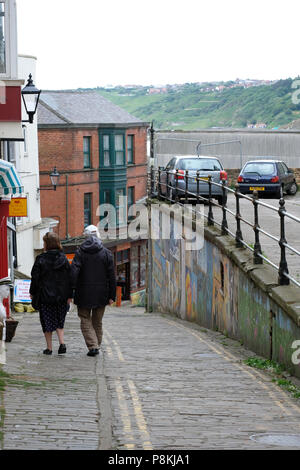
[
  {"x": 119, "y": 149},
  {"x": 112, "y": 148}
]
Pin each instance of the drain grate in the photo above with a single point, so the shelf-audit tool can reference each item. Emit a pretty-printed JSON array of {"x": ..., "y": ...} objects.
[{"x": 283, "y": 440}]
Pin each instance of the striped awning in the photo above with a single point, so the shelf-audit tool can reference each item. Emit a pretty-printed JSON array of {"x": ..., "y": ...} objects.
[{"x": 9, "y": 180}]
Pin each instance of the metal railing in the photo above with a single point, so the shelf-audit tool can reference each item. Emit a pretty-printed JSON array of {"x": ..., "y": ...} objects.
[{"x": 174, "y": 194}]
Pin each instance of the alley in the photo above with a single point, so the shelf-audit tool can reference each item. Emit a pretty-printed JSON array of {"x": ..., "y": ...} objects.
[{"x": 159, "y": 383}]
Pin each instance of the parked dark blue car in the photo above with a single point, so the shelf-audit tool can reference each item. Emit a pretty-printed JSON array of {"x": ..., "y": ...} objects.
[{"x": 267, "y": 177}]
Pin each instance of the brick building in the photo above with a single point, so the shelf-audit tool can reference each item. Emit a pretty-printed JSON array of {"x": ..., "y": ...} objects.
[{"x": 100, "y": 151}]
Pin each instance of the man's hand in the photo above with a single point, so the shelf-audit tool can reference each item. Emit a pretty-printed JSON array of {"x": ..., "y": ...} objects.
[{"x": 111, "y": 301}]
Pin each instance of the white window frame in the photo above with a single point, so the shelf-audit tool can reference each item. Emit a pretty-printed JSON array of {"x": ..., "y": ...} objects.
[{"x": 11, "y": 50}]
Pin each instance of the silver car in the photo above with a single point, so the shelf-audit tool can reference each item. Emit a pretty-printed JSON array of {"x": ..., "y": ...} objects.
[{"x": 205, "y": 165}]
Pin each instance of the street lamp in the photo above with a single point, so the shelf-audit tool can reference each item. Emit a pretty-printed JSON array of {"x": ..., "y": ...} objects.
[
  {"x": 31, "y": 96},
  {"x": 54, "y": 176}
]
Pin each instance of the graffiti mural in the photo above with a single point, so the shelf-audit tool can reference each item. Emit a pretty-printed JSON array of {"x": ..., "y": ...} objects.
[{"x": 206, "y": 286}]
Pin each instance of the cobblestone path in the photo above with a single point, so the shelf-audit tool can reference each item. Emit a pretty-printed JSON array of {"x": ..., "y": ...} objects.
[{"x": 159, "y": 383}]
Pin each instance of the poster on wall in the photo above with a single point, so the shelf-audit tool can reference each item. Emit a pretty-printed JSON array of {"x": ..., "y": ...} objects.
[{"x": 21, "y": 291}]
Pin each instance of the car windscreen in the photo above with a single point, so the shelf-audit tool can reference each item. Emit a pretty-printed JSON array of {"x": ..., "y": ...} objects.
[
  {"x": 199, "y": 164},
  {"x": 261, "y": 169}
]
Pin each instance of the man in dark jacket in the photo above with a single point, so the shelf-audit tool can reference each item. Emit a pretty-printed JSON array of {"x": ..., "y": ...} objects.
[{"x": 93, "y": 278}]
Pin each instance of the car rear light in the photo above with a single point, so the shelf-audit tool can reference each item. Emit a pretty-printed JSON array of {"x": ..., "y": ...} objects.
[
  {"x": 275, "y": 179},
  {"x": 240, "y": 179},
  {"x": 223, "y": 175},
  {"x": 180, "y": 175}
]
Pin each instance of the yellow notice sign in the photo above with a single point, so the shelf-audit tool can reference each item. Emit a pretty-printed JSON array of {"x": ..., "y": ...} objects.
[{"x": 18, "y": 207}]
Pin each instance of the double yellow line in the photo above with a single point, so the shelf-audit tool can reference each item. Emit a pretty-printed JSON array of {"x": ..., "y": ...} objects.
[{"x": 123, "y": 403}]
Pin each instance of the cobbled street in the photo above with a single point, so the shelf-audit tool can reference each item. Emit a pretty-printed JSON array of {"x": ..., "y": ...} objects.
[{"x": 158, "y": 383}]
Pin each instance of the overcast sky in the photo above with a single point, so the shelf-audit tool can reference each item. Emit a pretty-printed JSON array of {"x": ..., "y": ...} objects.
[{"x": 88, "y": 43}]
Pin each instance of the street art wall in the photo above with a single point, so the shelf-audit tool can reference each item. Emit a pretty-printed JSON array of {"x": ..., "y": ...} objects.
[{"x": 208, "y": 287}]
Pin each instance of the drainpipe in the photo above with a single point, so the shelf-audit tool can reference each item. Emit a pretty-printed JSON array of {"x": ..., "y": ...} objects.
[{"x": 67, "y": 206}]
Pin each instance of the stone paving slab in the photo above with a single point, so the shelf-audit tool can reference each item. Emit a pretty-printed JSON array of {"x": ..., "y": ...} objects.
[
  {"x": 57, "y": 405},
  {"x": 174, "y": 386},
  {"x": 159, "y": 383}
]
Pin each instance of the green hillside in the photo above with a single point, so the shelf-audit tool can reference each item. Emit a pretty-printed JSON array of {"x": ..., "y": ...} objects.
[{"x": 190, "y": 107}]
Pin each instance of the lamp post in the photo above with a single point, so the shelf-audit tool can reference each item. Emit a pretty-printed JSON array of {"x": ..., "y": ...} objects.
[
  {"x": 54, "y": 176},
  {"x": 30, "y": 96}
]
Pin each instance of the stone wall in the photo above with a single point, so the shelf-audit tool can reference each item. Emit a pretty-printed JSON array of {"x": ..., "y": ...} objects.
[{"x": 219, "y": 287}]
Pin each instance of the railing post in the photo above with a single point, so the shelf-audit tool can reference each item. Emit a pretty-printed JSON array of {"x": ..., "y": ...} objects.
[
  {"x": 159, "y": 184},
  {"x": 257, "y": 248},
  {"x": 152, "y": 176},
  {"x": 283, "y": 267},
  {"x": 238, "y": 233},
  {"x": 224, "y": 220},
  {"x": 186, "y": 185},
  {"x": 167, "y": 186},
  {"x": 198, "y": 186},
  {"x": 176, "y": 186},
  {"x": 210, "y": 216}
]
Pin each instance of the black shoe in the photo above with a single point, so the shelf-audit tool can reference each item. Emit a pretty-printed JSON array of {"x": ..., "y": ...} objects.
[
  {"x": 62, "y": 349},
  {"x": 93, "y": 352},
  {"x": 47, "y": 351}
]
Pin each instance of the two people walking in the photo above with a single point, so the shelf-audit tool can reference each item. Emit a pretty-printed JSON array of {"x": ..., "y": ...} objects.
[{"x": 54, "y": 281}]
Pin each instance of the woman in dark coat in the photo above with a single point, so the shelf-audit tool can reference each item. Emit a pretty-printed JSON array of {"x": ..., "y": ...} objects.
[{"x": 50, "y": 290}]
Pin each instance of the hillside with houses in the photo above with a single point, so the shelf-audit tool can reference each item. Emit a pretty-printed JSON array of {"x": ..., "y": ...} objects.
[{"x": 240, "y": 103}]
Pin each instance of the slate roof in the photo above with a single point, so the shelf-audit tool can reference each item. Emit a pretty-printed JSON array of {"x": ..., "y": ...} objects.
[{"x": 81, "y": 107}]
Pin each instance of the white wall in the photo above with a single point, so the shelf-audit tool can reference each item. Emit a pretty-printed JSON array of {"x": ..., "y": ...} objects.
[{"x": 28, "y": 168}]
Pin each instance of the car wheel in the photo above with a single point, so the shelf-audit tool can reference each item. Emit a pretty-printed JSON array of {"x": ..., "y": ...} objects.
[{"x": 292, "y": 189}]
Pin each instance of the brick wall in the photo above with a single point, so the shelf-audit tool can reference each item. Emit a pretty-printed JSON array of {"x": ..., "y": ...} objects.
[{"x": 63, "y": 148}]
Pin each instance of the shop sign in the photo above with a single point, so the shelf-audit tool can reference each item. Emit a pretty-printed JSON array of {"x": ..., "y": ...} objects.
[{"x": 18, "y": 207}]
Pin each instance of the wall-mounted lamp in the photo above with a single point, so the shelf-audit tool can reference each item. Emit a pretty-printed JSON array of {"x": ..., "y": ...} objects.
[
  {"x": 31, "y": 96},
  {"x": 54, "y": 176}
]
